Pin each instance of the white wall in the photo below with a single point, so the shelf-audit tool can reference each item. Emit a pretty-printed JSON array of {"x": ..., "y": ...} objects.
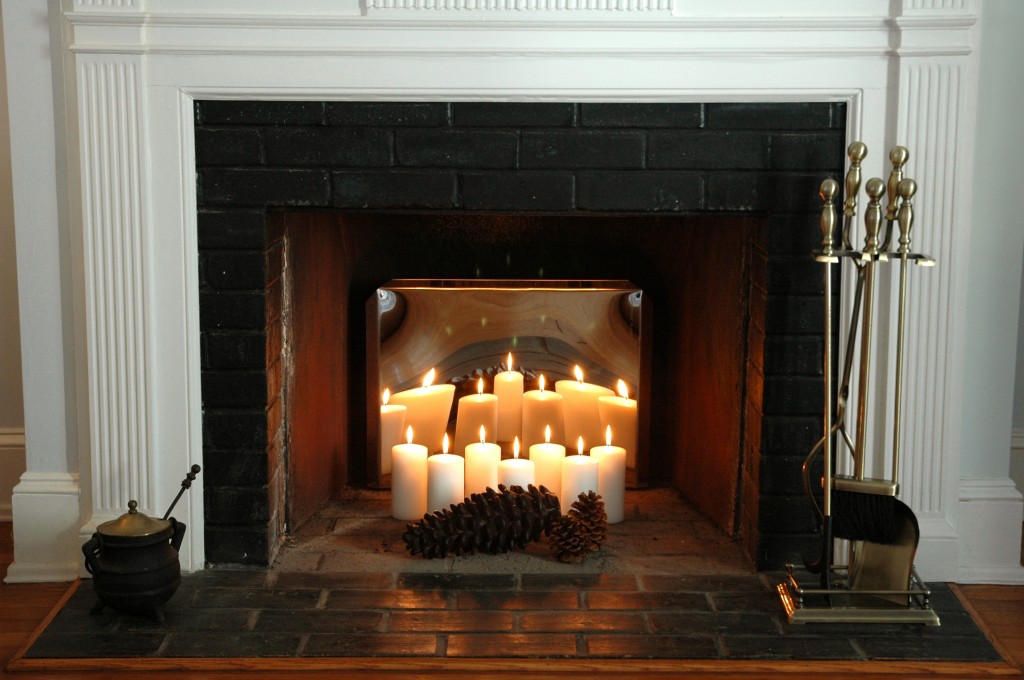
[{"x": 12, "y": 422}]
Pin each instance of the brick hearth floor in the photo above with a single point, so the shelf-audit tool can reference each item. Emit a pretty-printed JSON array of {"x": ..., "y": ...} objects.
[{"x": 666, "y": 585}]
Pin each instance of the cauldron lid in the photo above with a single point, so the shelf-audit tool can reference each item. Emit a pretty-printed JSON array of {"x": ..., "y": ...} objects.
[{"x": 133, "y": 523}]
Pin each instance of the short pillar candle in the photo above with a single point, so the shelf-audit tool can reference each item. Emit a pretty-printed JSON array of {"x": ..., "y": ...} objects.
[
  {"x": 482, "y": 460},
  {"x": 516, "y": 471},
  {"x": 579, "y": 475},
  {"x": 446, "y": 479},
  {"x": 547, "y": 459},
  {"x": 508, "y": 388},
  {"x": 475, "y": 411},
  {"x": 611, "y": 477},
  {"x": 619, "y": 413},
  {"x": 582, "y": 418},
  {"x": 392, "y": 424},
  {"x": 427, "y": 409},
  {"x": 409, "y": 479},
  {"x": 541, "y": 409}
]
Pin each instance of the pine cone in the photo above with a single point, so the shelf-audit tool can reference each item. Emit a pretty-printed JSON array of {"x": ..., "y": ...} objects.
[
  {"x": 491, "y": 522},
  {"x": 581, "y": 531}
]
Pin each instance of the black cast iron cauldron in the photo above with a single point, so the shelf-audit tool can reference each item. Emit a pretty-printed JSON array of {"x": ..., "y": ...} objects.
[{"x": 134, "y": 562}]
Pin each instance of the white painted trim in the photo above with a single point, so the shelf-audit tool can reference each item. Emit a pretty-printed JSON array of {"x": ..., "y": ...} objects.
[
  {"x": 46, "y": 509},
  {"x": 991, "y": 512},
  {"x": 12, "y": 465}
]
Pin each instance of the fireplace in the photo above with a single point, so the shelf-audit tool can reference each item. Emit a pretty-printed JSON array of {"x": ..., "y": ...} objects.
[{"x": 710, "y": 208}]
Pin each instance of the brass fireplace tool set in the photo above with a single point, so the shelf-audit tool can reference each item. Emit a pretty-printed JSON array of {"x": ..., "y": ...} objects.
[{"x": 879, "y": 583}]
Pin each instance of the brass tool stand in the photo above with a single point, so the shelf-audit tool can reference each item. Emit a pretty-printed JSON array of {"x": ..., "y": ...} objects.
[{"x": 880, "y": 584}]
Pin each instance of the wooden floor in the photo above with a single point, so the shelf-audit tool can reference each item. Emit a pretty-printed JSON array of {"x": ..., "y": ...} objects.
[{"x": 999, "y": 610}]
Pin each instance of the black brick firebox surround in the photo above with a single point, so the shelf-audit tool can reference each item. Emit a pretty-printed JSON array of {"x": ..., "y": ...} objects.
[{"x": 684, "y": 158}]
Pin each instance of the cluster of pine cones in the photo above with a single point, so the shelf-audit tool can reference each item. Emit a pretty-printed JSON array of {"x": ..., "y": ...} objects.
[{"x": 510, "y": 518}]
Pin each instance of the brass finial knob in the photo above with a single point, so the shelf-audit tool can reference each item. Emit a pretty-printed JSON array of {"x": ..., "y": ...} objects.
[
  {"x": 857, "y": 152},
  {"x": 875, "y": 189},
  {"x": 828, "y": 190},
  {"x": 133, "y": 507},
  {"x": 898, "y": 156},
  {"x": 905, "y": 218}
]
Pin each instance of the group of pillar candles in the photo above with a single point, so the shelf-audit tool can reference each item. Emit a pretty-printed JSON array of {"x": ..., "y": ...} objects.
[{"x": 539, "y": 423}]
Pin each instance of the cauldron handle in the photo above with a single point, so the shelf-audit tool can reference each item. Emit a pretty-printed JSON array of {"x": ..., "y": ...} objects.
[
  {"x": 91, "y": 550},
  {"x": 179, "y": 533}
]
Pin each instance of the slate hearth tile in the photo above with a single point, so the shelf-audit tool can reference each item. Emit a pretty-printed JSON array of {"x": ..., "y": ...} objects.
[
  {"x": 536, "y": 622},
  {"x": 88, "y": 645},
  {"x": 370, "y": 645},
  {"x": 457, "y": 581},
  {"x": 387, "y": 599},
  {"x": 703, "y": 583},
  {"x": 189, "y": 619},
  {"x": 948, "y": 648},
  {"x": 825, "y": 646},
  {"x": 258, "y": 598},
  {"x": 318, "y": 621},
  {"x": 746, "y": 602},
  {"x": 233, "y": 644},
  {"x": 579, "y": 582},
  {"x": 652, "y": 646},
  {"x": 647, "y": 601},
  {"x": 517, "y": 645},
  {"x": 713, "y": 623},
  {"x": 477, "y": 599},
  {"x": 336, "y": 580},
  {"x": 454, "y": 622}
]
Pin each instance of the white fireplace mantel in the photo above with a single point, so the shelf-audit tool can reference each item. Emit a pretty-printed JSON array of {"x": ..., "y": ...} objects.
[{"x": 105, "y": 206}]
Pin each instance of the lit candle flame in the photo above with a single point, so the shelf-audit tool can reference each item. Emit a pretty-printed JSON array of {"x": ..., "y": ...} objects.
[
  {"x": 387, "y": 396},
  {"x": 483, "y": 435},
  {"x": 480, "y": 386},
  {"x": 408, "y": 435},
  {"x": 429, "y": 379},
  {"x": 542, "y": 383},
  {"x": 509, "y": 364},
  {"x": 547, "y": 434},
  {"x": 444, "y": 443},
  {"x": 515, "y": 447},
  {"x": 579, "y": 373},
  {"x": 579, "y": 445},
  {"x": 608, "y": 435},
  {"x": 623, "y": 390}
]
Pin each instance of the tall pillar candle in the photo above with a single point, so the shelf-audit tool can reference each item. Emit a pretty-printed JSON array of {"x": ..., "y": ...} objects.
[
  {"x": 516, "y": 471},
  {"x": 475, "y": 411},
  {"x": 579, "y": 475},
  {"x": 582, "y": 418},
  {"x": 620, "y": 414},
  {"x": 508, "y": 388},
  {"x": 446, "y": 479},
  {"x": 482, "y": 460},
  {"x": 542, "y": 409},
  {"x": 611, "y": 478},
  {"x": 392, "y": 424},
  {"x": 427, "y": 410},
  {"x": 408, "y": 479},
  {"x": 547, "y": 459}
]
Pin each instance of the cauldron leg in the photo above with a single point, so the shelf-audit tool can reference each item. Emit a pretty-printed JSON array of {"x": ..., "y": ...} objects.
[
  {"x": 97, "y": 608},
  {"x": 158, "y": 613}
]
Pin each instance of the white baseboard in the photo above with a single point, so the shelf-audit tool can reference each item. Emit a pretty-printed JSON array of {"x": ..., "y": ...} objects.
[
  {"x": 46, "y": 511},
  {"x": 989, "y": 532},
  {"x": 12, "y": 464}
]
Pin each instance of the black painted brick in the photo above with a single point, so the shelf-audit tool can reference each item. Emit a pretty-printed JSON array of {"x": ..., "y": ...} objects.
[
  {"x": 640, "y": 191},
  {"x": 246, "y": 349},
  {"x": 233, "y": 269},
  {"x": 517, "y": 191},
  {"x": 792, "y": 395},
  {"x": 236, "y": 544},
  {"x": 263, "y": 187},
  {"x": 234, "y": 389},
  {"x": 779, "y": 192},
  {"x": 582, "y": 149},
  {"x": 394, "y": 189},
  {"x": 231, "y": 229},
  {"x": 260, "y": 113},
  {"x": 228, "y": 146},
  {"x": 794, "y": 235},
  {"x": 235, "y": 429},
  {"x": 787, "y": 515},
  {"x": 789, "y": 435},
  {"x": 789, "y": 355},
  {"x": 779, "y": 549},
  {"x": 794, "y": 314},
  {"x": 242, "y": 468},
  {"x": 513, "y": 114},
  {"x": 772, "y": 116},
  {"x": 642, "y": 115},
  {"x": 700, "y": 150},
  {"x": 795, "y": 276},
  {"x": 781, "y": 475},
  {"x": 806, "y": 151},
  {"x": 328, "y": 147},
  {"x": 231, "y": 310},
  {"x": 402, "y": 114},
  {"x": 235, "y": 505},
  {"x": 455, "y": 148}
]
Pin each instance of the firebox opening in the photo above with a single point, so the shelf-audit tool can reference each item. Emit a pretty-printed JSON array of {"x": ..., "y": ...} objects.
[{"x": 704, "y": 278}]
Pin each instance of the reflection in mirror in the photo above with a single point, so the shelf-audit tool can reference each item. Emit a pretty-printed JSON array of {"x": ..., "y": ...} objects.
[{"x": 465, "y": 331}]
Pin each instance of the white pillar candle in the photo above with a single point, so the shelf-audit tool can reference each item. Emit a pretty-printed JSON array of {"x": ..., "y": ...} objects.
[
  {"x": 611, "y": 477},
  {"x": 547, "y": 459},
  {"x": 516, "y": 471},
  {"x": 446, "y": 479},
  {"x": 579, "y": 475},
  {"x": 475, "y": 411},
  {"x": 542, "y": 409},
  {"x": 392, "y": 423},
  {"x": 427, "y": 409},
  {"x": 619, "y": 413},
  {"x": 409, "y": 479},
  {"x": 482, "y": 460},
  {"x": 582, "y": 418},
  {"x": 508, "y": 388}
]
